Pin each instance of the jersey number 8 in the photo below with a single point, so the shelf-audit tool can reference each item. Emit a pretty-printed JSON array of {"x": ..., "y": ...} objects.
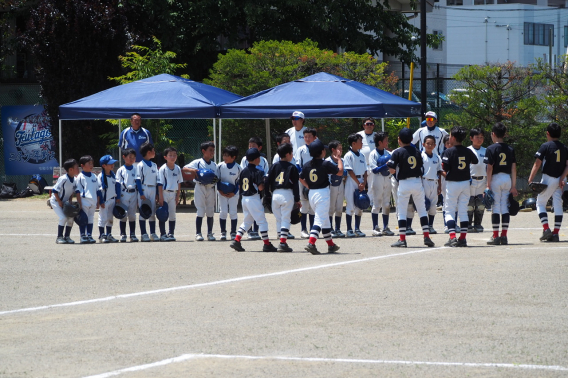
[{"x": 245, "y": 184}]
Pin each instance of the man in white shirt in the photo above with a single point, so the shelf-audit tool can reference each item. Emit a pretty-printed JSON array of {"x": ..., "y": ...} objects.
[
  {"x": 430, "y": 129},
  {"x": 297, "y": 131}
]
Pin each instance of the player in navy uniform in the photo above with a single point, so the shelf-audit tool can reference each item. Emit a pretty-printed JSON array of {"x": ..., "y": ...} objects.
[
  {"x": 501, "y": 179},
  {"x": 251, "y": 183},
  {"x": 406, "y": 162},
  {"x": 336, "y": 191},
  {"x": 456, "y": 163},
  {"x": 314, "y": 176},
  {"x": 302, "y": 156},
  {"x": 282, "y": 182},
  {"x": 553, "y": 157}
]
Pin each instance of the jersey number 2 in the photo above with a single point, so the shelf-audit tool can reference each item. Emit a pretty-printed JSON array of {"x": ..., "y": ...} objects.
[{"x": 503, "y": 159}]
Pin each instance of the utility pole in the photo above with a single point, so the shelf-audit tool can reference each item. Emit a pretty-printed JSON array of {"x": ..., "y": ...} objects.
[{"x": 423, "y": 56}]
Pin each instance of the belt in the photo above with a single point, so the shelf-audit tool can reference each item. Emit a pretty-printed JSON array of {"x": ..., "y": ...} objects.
[
  {"x": 358, "y": 176},
  {"x": 424, "y": 178},
  {"x": 478, "y": 177},
  {"x": 171, "y": 191},
  {"x": 150, "y": 186},
  {"x": 129, "y": 190}
]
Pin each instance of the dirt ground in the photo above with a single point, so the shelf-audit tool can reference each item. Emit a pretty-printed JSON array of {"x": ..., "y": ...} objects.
[{"x": 201, "y": 309}]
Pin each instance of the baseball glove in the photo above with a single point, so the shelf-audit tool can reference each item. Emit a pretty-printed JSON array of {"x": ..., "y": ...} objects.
[
  {"x": 488, "y": 198},
  {"x": 538, "y": 187},
  {"x": 267, "y": 201}
]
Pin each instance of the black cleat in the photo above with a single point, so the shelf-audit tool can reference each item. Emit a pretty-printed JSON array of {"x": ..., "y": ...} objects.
[
  {"x": 332, "y": 248},
  {"x": 504, "y": 240},
  {"x": 554, "y": 238},
  {"x": 237, "y": 246},
  {"x": 399, "y": 244},
  {"x": 269, "y": 248},
  {"x": 284, "y": 247},
  {"x": 428, "y": 242},
  {"x": 463, "y": 243},
  {"x": 451, "y": 243},
  {"x": 312, "y": 249},
  {"x": 494, "y": 241},
  {"x": 546, "y": 234}
]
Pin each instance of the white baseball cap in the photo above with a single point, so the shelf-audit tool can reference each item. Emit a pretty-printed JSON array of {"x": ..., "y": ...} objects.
[
  {"x": 298, "y": 114},
  {"x": 431, "y": 114}
]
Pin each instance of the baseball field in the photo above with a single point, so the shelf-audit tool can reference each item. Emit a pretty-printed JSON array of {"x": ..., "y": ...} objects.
[{"x": 200, "y": 309}]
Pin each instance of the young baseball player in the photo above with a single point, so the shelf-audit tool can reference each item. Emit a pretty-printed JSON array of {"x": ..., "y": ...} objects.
[
  {"x": 204, "y": 193},
  {"x": 314, "y": 176},
  {"x": 62, "y": 191},
  {"x": 476, "y": 208},
  {"x": 381, "y": 189},
  {"x": 406, "y": 163},
  {"x": 356, "y": 179},
  {"x": 87, "y": 186},
  {"x": 456, "y": 163},
  {"x": 552, "y": 156},
  {"x": 251, "y": 183},
  {"x": 169, "y": 189},
  {"x": 501, "y": 180},
  {"x": 108, "y": 187},
  {"x": 441, "y": 197},
  {"x": 281, "y": 139},
  {"x": 431, "y": 178},
  {"x": 255, "y": 142},
  {"x": 281, "y": 181},
  {"x": 146, "y": 181},
  {"x": 126, "y": 177},
  {"x": 228, "y": 172},
  {"x": 336, "y": 191},
  {"x": 302, "y": 156}
]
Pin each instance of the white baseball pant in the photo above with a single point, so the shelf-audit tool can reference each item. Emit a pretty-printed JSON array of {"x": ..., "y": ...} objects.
[
  {"x": 106, "y": 217},
  {"x": 350, "y": 187},
  {"x": 130, "y": 201},
  {"x": 409, "y": 207},
  {"x": 89, "y": 207},
  {"x": 305, "y": 209},
  {"x": 336, "y": 197},
  {"x": 553, "y": 190},
  {"x": 282, "y": 205},
  {"x": 406, "y": 188},
  {"x": 204, "y": 199},
  {"x": 431, "y": 192},
  {"x": 456, "y": 200},
  {"x": 63, "y": 219},
  {"x": 501, "y": 186},
  {"x": 228, "y": 206},
  {"x": 170, "y": 199},
  {"x": 319, "y": 200},
  {"x": 253, "y": 211},
  {"x": 477, "y": 187},
  {"x": 381, "y": 193}
]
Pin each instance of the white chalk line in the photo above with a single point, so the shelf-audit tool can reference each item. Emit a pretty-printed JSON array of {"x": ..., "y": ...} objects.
[
  {"x": 213, "y": 283},
  {"x": 186, "y": 357}
]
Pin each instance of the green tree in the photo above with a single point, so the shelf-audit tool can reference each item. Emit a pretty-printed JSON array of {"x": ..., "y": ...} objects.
[
  {"x": 502, "y": 93},
  {"x": 554, "y": 91},
  {"x": 270, "y": 63},
  {"x": 143, "y": 62}
]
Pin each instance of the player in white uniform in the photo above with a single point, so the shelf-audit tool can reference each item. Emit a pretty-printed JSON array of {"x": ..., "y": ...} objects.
[
  {"x": 204, "y": 197},
  {"x": 62, "y": 191},
  {"x": 255, "y": 142},
  {"x": 381, "y": 189},
  {"x": 281, "y": 139},
  {"x": 356, "y": 179},
  {"x": 296, "y": 132},
  {"x": 87, "y": 186},
  {"x": 228, "y": 172},
  {"x": 336, "y": 191},
  {"x": 302, "y": 156},
  {"x": 368, "y": 135},
  {"x": 146, "y": 181},
  {"x": 431, "y": 178},
  {"x": 108, "y": 187},
  {"x": 430, "y": 129},
  {"x": 169, "y": 190},
  {"x": 476, "y": 208},
  {"x": 126, "y": 177}
]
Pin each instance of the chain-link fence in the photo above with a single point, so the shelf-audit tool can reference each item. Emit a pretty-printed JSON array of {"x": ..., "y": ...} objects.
[{"x": 11, "y": 95}]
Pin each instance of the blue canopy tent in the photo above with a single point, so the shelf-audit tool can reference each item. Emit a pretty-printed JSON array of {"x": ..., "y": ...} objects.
[
  {"x": 321, "y": 95},
  {"x": 158, "y": 97}
]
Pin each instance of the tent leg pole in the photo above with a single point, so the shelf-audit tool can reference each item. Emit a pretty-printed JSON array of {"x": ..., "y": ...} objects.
[
  {"x": 60, "y": 148},
  {"x": 268, "y": 139},
  {"x": 119, "y": 150},
  {"x": 383, "y": 123},
  {"x": 220, "y": 140},
  {"x": 217, "y": 207}
]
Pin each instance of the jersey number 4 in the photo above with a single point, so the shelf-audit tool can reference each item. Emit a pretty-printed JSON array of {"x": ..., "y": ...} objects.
[{"x": 280, "y": 178}]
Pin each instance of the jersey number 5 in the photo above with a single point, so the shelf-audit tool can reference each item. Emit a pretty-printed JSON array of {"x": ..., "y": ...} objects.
[
  {"x": 461, "y": 162},
  {"x": 245, "y": 184},
  {"x": 412, "y": 162}
]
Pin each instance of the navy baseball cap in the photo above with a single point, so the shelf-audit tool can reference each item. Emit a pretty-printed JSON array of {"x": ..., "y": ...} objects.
[
  {"x": 252, "y": 154},
  {"x": 107, "y": 159},
  {"x": 405, "y": 135},
  {"x": 316, "y": 147}
]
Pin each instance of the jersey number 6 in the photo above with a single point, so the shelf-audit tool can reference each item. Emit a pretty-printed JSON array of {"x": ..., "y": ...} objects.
[{"x": 313, "y": 176}]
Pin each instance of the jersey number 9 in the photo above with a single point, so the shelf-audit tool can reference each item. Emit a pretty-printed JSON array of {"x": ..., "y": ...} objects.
[{"x": 412, "y": 162}]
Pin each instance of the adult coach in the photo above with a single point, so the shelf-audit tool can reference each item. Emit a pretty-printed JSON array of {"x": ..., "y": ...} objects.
[
  {"x": 134, "y": 136},
  {"x": 430, "y": 129},
  {"x": 297, "y": 131},
  {"x": 368, "y": 135}
]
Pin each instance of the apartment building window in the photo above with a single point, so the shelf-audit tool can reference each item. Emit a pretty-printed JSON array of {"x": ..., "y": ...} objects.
[
  {"x": 538, "y": 34},
  {"x": 455, "y": 2},
  {"x": 565, "y": 36},
  {"x": 439, "y": 47}
]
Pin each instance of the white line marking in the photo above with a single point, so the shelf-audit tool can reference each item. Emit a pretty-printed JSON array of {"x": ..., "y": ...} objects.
[
  {"x": 230, "y": 280},
  {"x": 185, "y": 357}
]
